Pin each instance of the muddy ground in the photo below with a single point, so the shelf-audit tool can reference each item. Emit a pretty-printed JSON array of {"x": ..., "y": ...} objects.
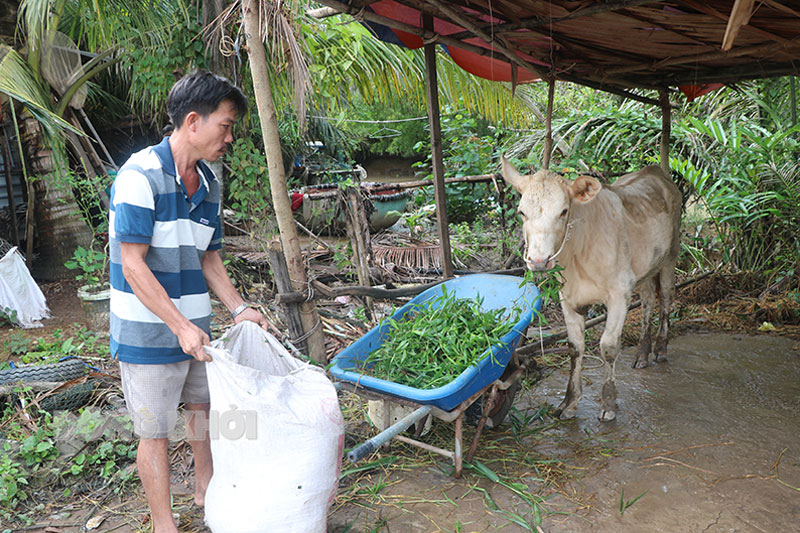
[{"x": 705, "y": 442}]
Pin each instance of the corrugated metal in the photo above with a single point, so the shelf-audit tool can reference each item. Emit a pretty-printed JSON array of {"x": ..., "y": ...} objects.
[
  {"x": 10, "y": 144},
  {"x": 16, "y": 182}
]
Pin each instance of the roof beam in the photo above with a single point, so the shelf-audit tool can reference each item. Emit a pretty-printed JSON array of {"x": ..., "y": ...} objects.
[
  {"x": 708, "y": 56},
  {"x": 709, "y": 10},
  {"x": 740, "y": 16},
  {"x": 428, "y": 36},
  {"x": 780, "y": 7},
  {"x": 724, "y": 75},
  {"x": 461, "y": 19},
  {"x": 536, "y": 22},
  {"x": 669, "y": 28},
  {"x": 613, "y": 89}
]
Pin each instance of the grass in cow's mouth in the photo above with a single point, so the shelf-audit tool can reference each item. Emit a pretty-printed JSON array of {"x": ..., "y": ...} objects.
[{"x": 442, "y": 338}]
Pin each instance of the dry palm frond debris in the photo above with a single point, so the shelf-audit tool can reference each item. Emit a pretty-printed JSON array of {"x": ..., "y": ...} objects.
[{"x": 406, "y": 251}]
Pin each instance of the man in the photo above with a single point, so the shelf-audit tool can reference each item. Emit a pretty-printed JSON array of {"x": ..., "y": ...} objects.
[{"x": 164, "y": 235}]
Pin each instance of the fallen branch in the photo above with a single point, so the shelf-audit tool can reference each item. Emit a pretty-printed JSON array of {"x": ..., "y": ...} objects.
[{"x": 424, "y": 183}]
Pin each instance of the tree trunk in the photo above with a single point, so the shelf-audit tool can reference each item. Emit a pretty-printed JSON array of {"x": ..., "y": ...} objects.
[
  {"x": 60, "y": 228},
  {"x": 277, "y": 178}
]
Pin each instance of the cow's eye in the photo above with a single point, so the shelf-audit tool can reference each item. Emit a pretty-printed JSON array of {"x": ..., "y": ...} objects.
[
  {"x": 563, "y": 213},
  {"x": 522, "y": 215}
]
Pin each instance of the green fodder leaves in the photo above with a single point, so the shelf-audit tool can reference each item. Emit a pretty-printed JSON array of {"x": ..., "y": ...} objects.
[{"x": 437, "y": 341}]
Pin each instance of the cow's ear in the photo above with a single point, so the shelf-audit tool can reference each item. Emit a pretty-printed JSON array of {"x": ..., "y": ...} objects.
[
  {"x": 511, "y": 175},
  {"x": 584, "y": 189}
]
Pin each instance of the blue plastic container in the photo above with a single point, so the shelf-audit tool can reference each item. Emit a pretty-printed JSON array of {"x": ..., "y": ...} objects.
[{"x": 498, "y": 292}]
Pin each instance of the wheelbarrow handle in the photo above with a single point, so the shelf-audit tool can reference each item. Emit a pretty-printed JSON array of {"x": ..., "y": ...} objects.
[{"x": 365, "y": 449}]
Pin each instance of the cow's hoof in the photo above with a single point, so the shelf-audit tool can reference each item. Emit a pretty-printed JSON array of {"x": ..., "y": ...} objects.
[
  {"x": 640, "y": 363},
  {"x": 661, "y": 358},
  {"x": 565, "y": 413},
  {"x": 607, "y": 416}
]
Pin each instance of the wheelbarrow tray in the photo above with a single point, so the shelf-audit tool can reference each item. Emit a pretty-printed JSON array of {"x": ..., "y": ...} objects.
[{"x": 498, "y": 292}]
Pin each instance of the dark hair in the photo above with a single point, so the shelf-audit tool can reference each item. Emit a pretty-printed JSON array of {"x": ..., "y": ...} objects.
[{"x": 202, "y": 92}]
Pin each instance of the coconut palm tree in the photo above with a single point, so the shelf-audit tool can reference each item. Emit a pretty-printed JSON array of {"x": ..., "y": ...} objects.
[{"x": 31, "y": 76}]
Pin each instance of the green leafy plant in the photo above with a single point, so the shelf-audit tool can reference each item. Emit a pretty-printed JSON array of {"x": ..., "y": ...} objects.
[
  {"x": 549, "y": 284},
  {"x": 8, "y": 316},
  {"x": 91, "y": 264},
  {"x": 42, "y": 351},
  {"x": 248, "y": 190},
  {"x": 437, "y": 341},
  {"x": 13, "y": 481},
  {"x": 16, "y": 343}
]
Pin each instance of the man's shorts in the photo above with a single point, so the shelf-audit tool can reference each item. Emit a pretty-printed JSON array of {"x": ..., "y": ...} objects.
[{"x": 152, "y": 394}]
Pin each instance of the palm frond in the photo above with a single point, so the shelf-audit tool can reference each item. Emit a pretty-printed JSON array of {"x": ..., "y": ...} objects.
[{"x": 18, "y": 82}]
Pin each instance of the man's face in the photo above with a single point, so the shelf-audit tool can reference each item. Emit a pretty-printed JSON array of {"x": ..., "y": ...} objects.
[{"x": 212, "y": 134}]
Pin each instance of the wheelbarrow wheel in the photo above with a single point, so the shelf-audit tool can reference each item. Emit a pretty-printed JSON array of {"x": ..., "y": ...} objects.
[{"x": 505, "y": 399}]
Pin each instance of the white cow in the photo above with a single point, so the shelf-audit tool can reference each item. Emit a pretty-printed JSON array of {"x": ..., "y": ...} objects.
[{"x": 610, "y": 241}]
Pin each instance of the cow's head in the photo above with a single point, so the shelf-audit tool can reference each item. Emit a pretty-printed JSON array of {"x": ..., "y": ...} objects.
[{"x": 545, "y": 207}]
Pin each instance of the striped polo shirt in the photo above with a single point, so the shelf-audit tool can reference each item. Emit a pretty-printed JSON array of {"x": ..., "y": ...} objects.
[{"x": 150, "y": 205}]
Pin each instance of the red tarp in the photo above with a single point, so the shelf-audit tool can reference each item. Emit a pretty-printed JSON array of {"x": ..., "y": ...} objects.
[{"x": 484, "y": 66}]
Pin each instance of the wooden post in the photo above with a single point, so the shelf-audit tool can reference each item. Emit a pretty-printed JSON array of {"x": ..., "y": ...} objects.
[
  {"x": 358, "y": 231},
  {"x": 432, "y": 87},
  {"x": 666, "y": 111},
  {"x": 277, "y": 177},
  {"x": 793, "y": 100},
  {"x": 548, "y": 125},
  {"x": 284, "y": 284}
]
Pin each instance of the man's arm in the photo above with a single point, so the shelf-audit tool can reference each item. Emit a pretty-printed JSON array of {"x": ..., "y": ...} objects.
[
  {"x": 219, "y": 282},
  {"x": 150, "y": 292}
]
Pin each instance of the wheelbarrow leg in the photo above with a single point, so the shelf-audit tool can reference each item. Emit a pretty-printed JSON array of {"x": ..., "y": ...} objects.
[
  {"x": 457, "y": 458},
  {"x": 485, "y": 416}
]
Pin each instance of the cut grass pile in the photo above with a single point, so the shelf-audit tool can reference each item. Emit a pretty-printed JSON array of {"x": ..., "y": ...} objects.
[{"x": 437, "y": 340}]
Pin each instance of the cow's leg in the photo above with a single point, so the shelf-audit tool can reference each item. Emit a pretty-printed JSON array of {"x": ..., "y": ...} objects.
[
  {"x": 667, "y": 291},
  {"x": 609, "y": 348},
  {"x": 647, "y": 292},
  {"x": 575, "y": 331}
]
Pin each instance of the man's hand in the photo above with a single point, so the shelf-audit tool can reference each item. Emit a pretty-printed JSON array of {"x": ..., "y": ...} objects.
[
  {"x": 253, "y": 316},
  {"x": 192, "y": 340}
]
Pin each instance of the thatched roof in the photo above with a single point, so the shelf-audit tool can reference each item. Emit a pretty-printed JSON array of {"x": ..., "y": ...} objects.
[{"x": 614, "y": 45}]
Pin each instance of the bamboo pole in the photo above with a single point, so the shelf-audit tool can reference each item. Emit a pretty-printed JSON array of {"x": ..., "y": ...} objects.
[
  {"x": 548, "y": 125},
  {"x": 432, "y": 87},
  {"x": 277, "y": 179},
  {"x": 666, "y": 118}
]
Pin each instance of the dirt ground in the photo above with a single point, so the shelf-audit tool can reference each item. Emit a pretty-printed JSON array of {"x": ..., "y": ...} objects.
[{"x": 704, "y": 442}]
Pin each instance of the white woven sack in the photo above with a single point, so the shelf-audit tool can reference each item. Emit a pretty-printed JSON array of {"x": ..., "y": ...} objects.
[
  {"x": 276, "y": 437},
  {"x": 18, "y": 291}
]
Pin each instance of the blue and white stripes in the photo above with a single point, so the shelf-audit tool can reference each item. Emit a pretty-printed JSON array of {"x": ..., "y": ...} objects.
[{"x": 150, "y": 205}]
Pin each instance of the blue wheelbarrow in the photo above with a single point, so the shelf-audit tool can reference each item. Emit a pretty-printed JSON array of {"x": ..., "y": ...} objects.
[{"x": 494, "y": 378}]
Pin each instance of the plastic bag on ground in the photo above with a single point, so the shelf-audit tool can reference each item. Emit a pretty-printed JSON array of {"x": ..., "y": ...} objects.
[
  {"x": 19, "y": 292},
  {"x": 276, "y": 437}
]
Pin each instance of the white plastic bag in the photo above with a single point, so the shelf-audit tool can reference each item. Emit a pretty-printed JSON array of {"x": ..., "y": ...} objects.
[
  {"x": 18, "y": 291},
  {"x": 276, "y": 437}
]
